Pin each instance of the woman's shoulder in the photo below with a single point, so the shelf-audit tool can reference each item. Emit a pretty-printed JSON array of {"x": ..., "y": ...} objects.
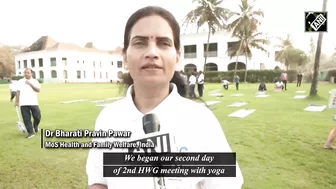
[
  {"x": 114, "y": 112},
  {"x": 196, "y": 116},
  {"x": 114, "y": 107},
  {"x": 198, "y": 108}
]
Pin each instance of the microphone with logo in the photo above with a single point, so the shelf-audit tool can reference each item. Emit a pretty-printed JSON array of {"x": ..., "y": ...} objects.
[{"x": 151, "y": 124}]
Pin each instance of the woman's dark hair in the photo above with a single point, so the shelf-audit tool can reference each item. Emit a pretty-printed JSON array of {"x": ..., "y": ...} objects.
[{"x": 177, "y": 79}]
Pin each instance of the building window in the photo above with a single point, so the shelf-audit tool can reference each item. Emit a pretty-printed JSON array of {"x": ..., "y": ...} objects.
[
  {"x": 53, "y": 74},
  {"x": 32, "y": 61},
  {"x": 94, "y": 75},
  {"x": 41, "y": 74},
  {"x": 100, "y": 63},
  {"x": 119, "y": 64},
  {"x": 262, "y": 66},
  {"x": 64, "y": 61},
  {"x": 78, "y": 74},
  {"x": 84, "y": 74},
  {"x": 190, "y": 51},
  {"x": 53, "y": 62},
  {"x": 40, "y": 60},
  {"x": 277, "y": 55},
  {"x": 111, "y": 63},
  {"x": 232, "y": 48},
  {"x": 25, "y": 64},
  {"x": 212, "y": 49},
  {"x": 101, "y": 76},
  {"x": 94, "y": 64},
  {"x": 33, "y": 74},
  {"x": 65, "y": 74},
  {"x": 106, "y": 75},
  {"x": 19, "y": 64}
]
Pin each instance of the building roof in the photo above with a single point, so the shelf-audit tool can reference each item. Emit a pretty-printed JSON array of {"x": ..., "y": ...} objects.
[{"x": 47, "y": 43}]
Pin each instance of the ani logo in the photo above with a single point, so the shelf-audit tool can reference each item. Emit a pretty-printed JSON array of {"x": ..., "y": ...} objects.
[{"x": 183, "y": 149}]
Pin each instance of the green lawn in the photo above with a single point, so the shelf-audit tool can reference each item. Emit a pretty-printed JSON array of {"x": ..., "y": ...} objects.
[{"x": 279, "y": 146}]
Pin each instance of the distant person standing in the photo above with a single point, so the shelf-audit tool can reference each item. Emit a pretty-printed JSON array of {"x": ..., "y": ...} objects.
[
  {"x": 185, "y": 77},
  {"x": 200, "y": 83},
  {"x": 237, "y": 82},
  {"x": 299, "y": 79},
  {"x": 26, "y": 98},
  {"x": 192, "y": 83},
  {"x": 183, "y": 91},
  {"x": 284, "y": 79},
  {"x": 12, "y": 89}
]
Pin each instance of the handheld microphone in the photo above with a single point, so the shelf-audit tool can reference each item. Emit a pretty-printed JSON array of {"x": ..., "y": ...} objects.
[{"x": 151, "y": 124}]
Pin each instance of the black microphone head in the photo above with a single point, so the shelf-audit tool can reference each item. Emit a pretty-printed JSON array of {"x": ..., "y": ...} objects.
[{"x": 151, "y": 123}]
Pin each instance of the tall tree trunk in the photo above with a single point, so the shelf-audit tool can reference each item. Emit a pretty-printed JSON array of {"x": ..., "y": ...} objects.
[
  {"x": 245, "y": 67},
  {"x": 286, "y": 64},
  {"x": 207, "y": 50},
  {"x": 2, "y": 70},
  {"x": 237, "y": 53},
  {"x": 313, "y": 88}
]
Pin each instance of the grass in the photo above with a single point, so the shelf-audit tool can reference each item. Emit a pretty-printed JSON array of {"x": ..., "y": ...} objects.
[{"x": 279, "y": 146}]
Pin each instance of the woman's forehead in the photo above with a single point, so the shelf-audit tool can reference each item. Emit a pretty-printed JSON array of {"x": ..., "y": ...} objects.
[
  {"x": 152, "y": 27},
  {"x": 139, "y": 37}
]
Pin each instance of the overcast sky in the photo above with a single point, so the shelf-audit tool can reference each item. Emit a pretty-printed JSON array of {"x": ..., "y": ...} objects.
[{"x": 102, "y": 21}]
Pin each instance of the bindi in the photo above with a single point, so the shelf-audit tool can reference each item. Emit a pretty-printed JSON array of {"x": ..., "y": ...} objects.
[{"x": 151, "y": 37}]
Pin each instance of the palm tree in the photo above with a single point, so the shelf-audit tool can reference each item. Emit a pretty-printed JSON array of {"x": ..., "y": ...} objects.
[
  {"x": 289, "y": 55},
  {"x": 313, "y": 88},
  {"x": 333, "y": 56},
  {"x": 286, "y": 44},
  {"x": 247, "y": 41},
  {"x": 293, "y": 57},
  {"x": 312, "y": 45},
  {"x": 209, "y": 13},
  {"x": 248, "y": 16}
]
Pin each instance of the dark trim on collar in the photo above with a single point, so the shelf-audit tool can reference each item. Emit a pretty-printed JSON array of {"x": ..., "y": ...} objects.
[
  {"x": 166, "y": 105},
  {"x": 172, "y": 90}
]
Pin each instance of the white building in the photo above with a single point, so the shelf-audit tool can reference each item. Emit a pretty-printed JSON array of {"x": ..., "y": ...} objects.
[
  {"x": 193, "y": 47},
  {"x": 55, "y": 61}
]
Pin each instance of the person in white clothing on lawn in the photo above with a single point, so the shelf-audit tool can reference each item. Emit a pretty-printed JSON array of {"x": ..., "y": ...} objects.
[
  {"x": 192, "y": 84},
  {"x": 200, "y": 83},
  {"x": 27, "y": 99},
  {"x": 225, "y": 84},
  {"x": 12, "y": 89},
  {"x": 279, "y": 85},
  {"x": 151, "y": 53}
]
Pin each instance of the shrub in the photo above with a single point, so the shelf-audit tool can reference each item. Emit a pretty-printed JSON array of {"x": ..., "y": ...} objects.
[
  {"x": 3, "y": 81},
  {"x": 253, "y": 76},
  {"x": 17, "y": 77},
  {"x": 331, "y": 73}
]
